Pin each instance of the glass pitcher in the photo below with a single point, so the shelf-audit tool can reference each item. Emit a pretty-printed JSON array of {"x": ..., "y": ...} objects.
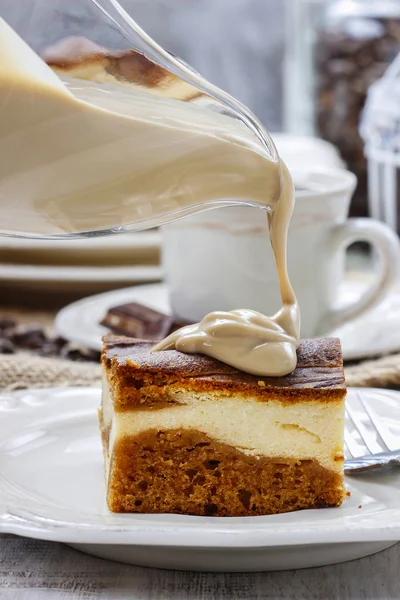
[{"x": 76, "y": 134}]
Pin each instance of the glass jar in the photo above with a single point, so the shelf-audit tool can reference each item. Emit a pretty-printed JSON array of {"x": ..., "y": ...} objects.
[
  {"x": 335, "y": 50},
  {"x": 380, "y": 130}
]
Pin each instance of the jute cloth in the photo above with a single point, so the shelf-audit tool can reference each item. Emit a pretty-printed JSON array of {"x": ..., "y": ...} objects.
[{"x": 23, "y": 370}]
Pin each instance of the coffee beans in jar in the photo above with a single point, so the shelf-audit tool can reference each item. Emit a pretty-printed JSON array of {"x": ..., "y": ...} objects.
[{"x": 355, "y": 44}]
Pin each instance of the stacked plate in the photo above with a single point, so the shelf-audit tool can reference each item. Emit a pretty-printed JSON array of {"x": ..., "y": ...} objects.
[{"x": 82, "y": 266}]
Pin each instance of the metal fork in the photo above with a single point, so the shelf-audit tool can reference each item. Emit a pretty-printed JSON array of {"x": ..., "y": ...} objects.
[{"x": 368, "y": 444}]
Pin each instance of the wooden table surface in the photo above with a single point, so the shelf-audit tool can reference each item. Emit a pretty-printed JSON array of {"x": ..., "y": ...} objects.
[{"x": 37, "y": 570}]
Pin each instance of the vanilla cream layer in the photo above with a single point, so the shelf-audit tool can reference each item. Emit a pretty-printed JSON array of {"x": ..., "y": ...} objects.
[{"x": 299, "y": 430}]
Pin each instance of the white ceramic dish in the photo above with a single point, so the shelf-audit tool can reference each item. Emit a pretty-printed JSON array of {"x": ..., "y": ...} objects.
[
  {"x": 82, "y": 279},
  {"x": 145, "y": 239},
  {"x": 86, "y": 266},
  {"x": 367, "y": 336},
  {"x": 52, "y": 487},
  {"x": 99, "y": 259}
]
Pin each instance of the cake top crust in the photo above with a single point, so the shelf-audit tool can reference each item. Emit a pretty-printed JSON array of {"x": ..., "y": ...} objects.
[
  {"x": 318, "y": 375},
  {"x": 315, "y": 353}
]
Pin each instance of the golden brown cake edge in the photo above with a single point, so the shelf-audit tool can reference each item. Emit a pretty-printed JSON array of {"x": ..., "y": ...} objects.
[{"x": 139, "y": 377}]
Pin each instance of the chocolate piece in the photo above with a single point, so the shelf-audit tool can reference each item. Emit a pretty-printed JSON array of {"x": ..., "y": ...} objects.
[{"x": 138, "y": 321}]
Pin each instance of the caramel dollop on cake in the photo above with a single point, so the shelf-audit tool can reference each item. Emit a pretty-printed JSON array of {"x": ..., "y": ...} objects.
[{"x": 187, "y": 434}]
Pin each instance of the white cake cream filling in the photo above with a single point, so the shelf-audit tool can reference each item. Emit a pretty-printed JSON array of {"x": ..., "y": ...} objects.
[{"x": 295, "y": 430}]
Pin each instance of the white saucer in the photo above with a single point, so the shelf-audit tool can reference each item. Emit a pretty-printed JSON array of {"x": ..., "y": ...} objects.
[
  {"x": 367, "y": 336},
  {"x": 52, "y": 487}
]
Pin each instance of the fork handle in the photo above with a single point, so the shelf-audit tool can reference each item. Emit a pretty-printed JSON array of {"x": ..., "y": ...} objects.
[{"x": 371, "y": 462}]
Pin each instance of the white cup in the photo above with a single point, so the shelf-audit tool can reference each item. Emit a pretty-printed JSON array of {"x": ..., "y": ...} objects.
[{"x": 222, "y": 260}]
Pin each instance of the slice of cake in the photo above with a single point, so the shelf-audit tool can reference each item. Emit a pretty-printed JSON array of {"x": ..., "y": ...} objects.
[
  {"x": 185, "y": 433},
  {"x": 79, "y": 57}
]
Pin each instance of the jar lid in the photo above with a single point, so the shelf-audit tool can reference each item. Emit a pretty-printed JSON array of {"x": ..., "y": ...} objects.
[
  {"x": 300, "y": 151},
  {"x": 380, "y": 120}
]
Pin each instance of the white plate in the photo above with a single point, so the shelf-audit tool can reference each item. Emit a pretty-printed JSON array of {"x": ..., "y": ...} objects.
[
  {"x": 85, "y": 279},
  {"x": 52, "y": 487},
  {"x": 364, "y": 337},
  {"x": 122, "y": 240},
  {"x": 41, "y": 259}
]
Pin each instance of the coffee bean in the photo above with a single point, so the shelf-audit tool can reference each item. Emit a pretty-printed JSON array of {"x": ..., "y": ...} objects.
[
  {"x": 58, "y": 341},
  {"x": 6, "y": 346},
  {"x": 79, "y": 353},
  {"x": 32, "y": 337},
  {"x": 29, "y": 337},
  {"x": 49, "y": 348},
  {"x": 53, "y": 346},
  {"x": 6, "y": 323}
]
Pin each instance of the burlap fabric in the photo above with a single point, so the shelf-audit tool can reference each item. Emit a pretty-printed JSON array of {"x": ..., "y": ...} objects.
[
  {"x": 23, "y": 370},
  {"x": 382, "y": 372}
]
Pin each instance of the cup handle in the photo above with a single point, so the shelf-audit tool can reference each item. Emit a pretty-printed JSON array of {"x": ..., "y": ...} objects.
[{"x": 386, "y": 242}]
